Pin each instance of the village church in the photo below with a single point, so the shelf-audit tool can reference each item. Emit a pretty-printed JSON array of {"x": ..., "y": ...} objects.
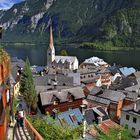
[{"x": 62, "y": 62}]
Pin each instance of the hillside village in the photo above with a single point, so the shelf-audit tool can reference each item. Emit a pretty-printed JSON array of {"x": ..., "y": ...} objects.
[{"x": 73, "y": 93}]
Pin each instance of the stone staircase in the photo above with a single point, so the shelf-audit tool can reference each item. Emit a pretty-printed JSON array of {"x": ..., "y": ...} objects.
[{"x": 21, "y": 133}]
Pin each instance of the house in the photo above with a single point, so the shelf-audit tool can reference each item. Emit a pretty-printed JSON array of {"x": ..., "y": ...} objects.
[
  {"x": 94, "y": 61},
  {"x": 108, "y": 99},
  {"x": 60, "y": 100},
  {"x": 130, "y": 97},
  {"x": 114, "y": 69},
  {"x": 72, "y": 117},
  {"x": 127, "y": 71},
  {"x": 131, "y": 117},
  {"x": 137, "y": 75},
  {"x": 105, "y": 78},
  {"x": 97, "y": 115},
  {"x": 71, "y": 79},
  {"x": 4, "y": 92},
  {"x": 60, "y": 62},
  {"x": 133, "y": 88},
  {"x": 121, "y": 83},
  {"x": 17, "y": 66}
]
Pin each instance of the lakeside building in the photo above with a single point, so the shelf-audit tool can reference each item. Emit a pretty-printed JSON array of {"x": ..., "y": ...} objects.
[
  {"x": 60, "y": 62},
  {"x": 94, "y": 61}
]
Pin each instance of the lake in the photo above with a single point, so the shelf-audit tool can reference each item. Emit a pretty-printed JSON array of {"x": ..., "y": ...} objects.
[{"x": 38, "y": 55}]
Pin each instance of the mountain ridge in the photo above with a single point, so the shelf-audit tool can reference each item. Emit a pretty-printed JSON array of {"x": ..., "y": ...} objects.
[{"x": 74, "y": 21}]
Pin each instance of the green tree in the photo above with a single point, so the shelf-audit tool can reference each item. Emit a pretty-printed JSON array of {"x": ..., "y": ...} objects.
[
  {"x": 115, "y": 134},
  {"x": 27, "y": 87},
  {"x": 50, "y": 130},
  {"x": 64, "y": 52}
]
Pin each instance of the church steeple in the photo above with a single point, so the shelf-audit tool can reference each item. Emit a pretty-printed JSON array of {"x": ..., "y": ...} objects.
[
  {"x": 51, "y": 49},
  {"x": 51, "y": 38}
]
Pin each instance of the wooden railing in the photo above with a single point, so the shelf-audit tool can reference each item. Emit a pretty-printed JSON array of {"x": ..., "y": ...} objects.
[{"x": 31, "y": 130}]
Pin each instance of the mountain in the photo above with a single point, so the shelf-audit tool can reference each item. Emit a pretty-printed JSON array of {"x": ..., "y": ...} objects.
[{"x": 115, "y": 21}]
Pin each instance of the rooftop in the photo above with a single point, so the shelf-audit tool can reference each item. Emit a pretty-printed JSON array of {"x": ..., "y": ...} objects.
[{"x": 47, "y": 96}]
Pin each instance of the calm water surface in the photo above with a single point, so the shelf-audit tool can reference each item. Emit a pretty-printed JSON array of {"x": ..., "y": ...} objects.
[{"x": 38, "y": 55}]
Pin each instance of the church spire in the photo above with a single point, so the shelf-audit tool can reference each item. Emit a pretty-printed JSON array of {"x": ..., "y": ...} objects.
[{"x": 51, "y": 38}]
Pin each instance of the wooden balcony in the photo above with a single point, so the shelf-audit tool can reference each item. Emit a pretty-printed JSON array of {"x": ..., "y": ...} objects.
[{"x": 31, "y": 130}]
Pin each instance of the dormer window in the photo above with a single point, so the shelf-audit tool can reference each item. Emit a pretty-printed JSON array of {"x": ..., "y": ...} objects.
[
  {"x": 55, "y": 100},
  {"x": 73, "y": 117},
  {"x": 70, "y": 97}
]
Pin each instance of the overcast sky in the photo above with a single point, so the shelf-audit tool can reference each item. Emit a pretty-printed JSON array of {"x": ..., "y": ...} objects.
[{"x": 6, "y": 4}]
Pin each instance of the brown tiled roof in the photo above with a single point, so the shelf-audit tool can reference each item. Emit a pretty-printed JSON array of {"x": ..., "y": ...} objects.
[{"x": 107, "y": 124}]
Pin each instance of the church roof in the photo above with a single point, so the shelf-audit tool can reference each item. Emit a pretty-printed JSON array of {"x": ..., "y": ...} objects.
[{"x": 63, "y": 59}]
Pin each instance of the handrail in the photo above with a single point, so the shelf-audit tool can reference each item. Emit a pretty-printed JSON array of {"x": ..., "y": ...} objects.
[{"x": 32, "y": 131}]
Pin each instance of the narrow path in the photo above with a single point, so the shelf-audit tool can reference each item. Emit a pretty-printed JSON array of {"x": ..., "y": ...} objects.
[{"x": 21, "y": 133}]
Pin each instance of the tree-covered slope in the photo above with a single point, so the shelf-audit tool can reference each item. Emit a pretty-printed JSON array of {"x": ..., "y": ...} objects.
[{"x": 75, "y": 21}]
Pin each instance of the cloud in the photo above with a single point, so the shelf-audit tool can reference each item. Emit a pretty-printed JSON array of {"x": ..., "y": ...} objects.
[{"x": 6, "y": 4}]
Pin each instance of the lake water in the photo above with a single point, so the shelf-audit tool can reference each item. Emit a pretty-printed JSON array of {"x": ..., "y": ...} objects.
[{"x": 38, "y": 55}]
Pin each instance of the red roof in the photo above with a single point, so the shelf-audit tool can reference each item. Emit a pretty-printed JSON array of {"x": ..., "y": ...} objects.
[
  {"x": 104, "y": 126},
  {"x": 107, "y": 124}
]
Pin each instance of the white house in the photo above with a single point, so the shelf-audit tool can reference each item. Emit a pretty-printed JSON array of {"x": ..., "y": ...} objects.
[
  {"x": 62, "y": 62},
  {"x": 95, "y": 61},
  {"x": 131, "y": 117}
]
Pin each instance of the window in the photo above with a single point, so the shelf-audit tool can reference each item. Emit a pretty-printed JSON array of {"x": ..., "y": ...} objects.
[
  {"x": 127, "y": 117},
  {"x": 73, "y": 117},
  {"x": 70, "y": 97},
  {"x": 133, "y": 129},
  {"x": 1, "y": 106},
  {"x": 55, "y": 100},
  {"x": 134, "y": 120}
]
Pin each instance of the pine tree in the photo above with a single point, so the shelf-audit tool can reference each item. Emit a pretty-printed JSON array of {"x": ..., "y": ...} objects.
[{"x": 27, "y": 87}]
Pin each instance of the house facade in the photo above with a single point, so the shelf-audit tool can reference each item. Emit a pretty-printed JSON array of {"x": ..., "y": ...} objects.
[
  {"x": 110, "y": 100},
  {"x": 60, "y": 100},
  {"x": 4, "y": 94},
  {"x": 131, "y": 117}
]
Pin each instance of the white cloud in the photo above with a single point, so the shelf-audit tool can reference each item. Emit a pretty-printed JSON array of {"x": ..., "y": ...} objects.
[{"x": 6, "y": 4}]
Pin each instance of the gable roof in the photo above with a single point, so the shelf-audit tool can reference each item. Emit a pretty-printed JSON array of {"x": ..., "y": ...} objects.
[
  {"x": 96, "y": 61},
  {"x": 112, "y": 95},
  {"x": 133, "y": 108},
  {"x": 92, "y": 114},
  {"x": 95, "y": 90},
  {"x": 130, "y": 95},
  {"x": 127, "y": 71},
  {"x": 63, "y": 59},
  {"x": 46, "y": 97},
  {"x": 135, "y": 88},
  {"x": 98, "y": 99},
  {"x": 67, "y": 117}
]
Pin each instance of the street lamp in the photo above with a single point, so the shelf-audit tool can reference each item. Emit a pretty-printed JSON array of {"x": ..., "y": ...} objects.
[{"x": 83, "y": 107}]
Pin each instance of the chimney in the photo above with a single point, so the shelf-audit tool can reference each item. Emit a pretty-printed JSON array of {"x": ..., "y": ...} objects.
[
  {"x": 42, "y": 74},
  {"x": 100, "y": 120},
  {"x": 135, "y": 107}
]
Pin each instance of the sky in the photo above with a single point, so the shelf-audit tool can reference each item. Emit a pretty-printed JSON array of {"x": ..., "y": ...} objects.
[{"x": 6, "y": 4}]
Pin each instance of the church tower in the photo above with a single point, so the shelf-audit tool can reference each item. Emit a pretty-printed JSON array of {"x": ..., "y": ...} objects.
[{"x": 51, "y": 50}]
